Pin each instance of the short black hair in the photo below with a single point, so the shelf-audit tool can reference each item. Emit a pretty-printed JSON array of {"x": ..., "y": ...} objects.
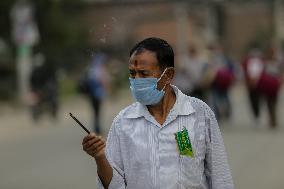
[{"x": 163, "y": 51}]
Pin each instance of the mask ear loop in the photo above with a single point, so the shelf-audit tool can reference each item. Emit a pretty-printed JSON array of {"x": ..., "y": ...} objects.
[
  {"x": 164, "y": 87},
  {"x": 162, "y": 76}
]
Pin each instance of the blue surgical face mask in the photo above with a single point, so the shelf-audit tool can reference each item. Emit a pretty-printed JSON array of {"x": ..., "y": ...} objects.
[{"x": 145, "y": 91}]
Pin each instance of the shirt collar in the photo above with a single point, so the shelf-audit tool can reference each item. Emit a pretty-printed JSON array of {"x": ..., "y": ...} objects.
[{"x": 182, "y": 106}]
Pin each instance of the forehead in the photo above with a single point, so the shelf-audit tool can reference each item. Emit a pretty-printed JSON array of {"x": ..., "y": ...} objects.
[{"x": 143, "y": 60}]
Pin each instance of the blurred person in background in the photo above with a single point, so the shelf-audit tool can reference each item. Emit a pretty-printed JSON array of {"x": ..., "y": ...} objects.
[
  {"x": 44, "y": 88},
  {"x": 164, "y": 140},
  {"x": 95, "y": 83},
  {"x": 253, "y": 67},
  {"x": 222, "y": 73},
  {"x": 270, "y": 83},
  {"x": 189, "y": 75}
]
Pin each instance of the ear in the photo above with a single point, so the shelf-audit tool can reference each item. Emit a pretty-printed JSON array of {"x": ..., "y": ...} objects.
[{"x": 169, "y": 75}]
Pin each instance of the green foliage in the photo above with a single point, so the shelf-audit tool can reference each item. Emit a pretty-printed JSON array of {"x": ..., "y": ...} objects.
[
  {"x": 62, "y": 38},
  {"x": 67, "y": 87},
  {"x": 63, "y": 34}
]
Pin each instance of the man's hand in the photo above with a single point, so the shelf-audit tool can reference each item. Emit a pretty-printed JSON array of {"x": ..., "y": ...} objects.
[{"x": 94, "y": 145}]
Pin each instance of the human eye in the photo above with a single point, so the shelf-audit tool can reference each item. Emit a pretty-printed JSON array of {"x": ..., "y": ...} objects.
[
  {"x": 131, "y": 73},
  {"x": 145, "y": 74}
]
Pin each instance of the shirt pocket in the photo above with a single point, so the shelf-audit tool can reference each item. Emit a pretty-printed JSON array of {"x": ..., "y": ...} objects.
[{"x": 191, "y": 172}]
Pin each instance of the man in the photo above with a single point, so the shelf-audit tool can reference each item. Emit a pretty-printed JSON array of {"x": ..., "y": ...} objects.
[
  {"x": 44, "y": 87},
  {"x": 98, "y": 83},
  {"x": 164, "y": 140},
  {"x": 253, "y": 67}
]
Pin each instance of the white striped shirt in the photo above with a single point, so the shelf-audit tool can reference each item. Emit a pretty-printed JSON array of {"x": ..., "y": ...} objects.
[{"x": 144, "y": 154}]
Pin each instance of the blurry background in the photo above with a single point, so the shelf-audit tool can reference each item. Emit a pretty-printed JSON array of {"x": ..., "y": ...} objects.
[{"x": 61, "y": 56}]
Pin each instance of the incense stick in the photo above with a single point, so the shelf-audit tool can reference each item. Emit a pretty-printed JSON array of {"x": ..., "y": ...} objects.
[{"x": 80, "y": 123}]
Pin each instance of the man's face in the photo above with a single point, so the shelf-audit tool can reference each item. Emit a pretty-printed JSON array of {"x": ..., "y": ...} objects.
[{"x": 144, "y": 65}]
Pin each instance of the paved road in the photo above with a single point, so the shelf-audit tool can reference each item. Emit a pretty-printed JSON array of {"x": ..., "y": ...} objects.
[{"x": 48, "y": 155}]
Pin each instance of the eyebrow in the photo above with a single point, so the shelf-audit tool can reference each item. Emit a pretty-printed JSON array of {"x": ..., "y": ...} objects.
[{"x": 133, "y": 70}]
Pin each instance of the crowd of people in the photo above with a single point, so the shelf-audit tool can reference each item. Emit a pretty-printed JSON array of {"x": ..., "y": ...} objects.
[
  {"x": 211, "y": 79},
  {"x": 263, "y": 73}
]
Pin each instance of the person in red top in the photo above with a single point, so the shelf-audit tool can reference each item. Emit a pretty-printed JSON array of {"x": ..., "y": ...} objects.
[
  {"x": 270, "y": 81},
  {"x": 253, "y": 66},
  {"x": 263, "y": 79},
  {"x": 223, "y": 69}
]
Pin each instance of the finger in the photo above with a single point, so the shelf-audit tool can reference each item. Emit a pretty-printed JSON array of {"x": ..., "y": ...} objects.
[
  {"x": 92, "y": 141},
  {"x": 91, "y": 145},
  {"x": 95, "y": 145},
  {"x": 88, "y": 137},
  {"x": 98, "y": 149},
  {"x": 101, "y": 147}
]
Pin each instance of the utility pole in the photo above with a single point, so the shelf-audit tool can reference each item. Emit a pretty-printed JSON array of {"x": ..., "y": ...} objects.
[
  {"x": 279, "y": 22},
  {"x": 181, "y": 27}
]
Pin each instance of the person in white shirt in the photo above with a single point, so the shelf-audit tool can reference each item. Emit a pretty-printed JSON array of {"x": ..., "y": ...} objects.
[{"x": 164, "y": 140}]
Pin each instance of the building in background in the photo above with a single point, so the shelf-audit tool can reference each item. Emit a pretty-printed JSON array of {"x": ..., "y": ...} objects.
[{"x": 236, "y": 24}]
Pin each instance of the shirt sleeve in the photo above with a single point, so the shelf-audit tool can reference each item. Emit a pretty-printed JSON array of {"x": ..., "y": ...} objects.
[
  {"x": 113, "y": 154},
  {"x": 217, "y": 170}
]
